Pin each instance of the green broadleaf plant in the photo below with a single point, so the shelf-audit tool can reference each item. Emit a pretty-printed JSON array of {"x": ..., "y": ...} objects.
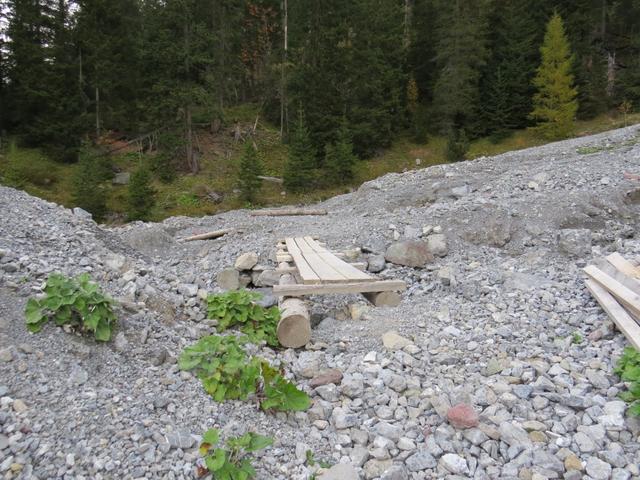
[
  {"x": 76, "y": 302},
  {"x": 239, "y": 308},
  {"x": 228, "y": 373},
  {"x": 628, "y": 368},
  {"x": 232, "y": 462}
]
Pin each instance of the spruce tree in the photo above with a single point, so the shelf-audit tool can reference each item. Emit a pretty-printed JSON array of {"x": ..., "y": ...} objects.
[
  {"x": 555, "y": 103},
  {"x": 250, "y": 169},
  {"x": 88, "y": 191},
  {"x": 506, "y": 85},
  {"x": 461, "y": 54},
  {"x": 301, "y": 160},
  {"x": 339, "y": 158},
  {"x": 140, "y": 199}
]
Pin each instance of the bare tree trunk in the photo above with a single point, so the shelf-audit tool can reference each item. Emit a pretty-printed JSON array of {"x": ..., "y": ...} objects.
[
  {"x": 283, "y": 95},
  {"x": 611, "y": 73},
  {"x": 407, "y": 23},
  {"x": 97, "y": 114},
  {"x": 192, "y": 162}
]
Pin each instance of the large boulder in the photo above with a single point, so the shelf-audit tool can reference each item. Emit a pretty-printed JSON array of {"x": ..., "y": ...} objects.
[
  {"x": 410, "y": 253},
  {"x": 228, "y": 279}
]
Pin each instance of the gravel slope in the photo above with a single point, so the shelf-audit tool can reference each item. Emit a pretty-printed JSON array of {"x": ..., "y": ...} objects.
[{"x": 501, "y": 323}]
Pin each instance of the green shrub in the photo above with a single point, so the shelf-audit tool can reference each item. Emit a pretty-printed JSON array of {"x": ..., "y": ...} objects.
[
  {"x": 231, "y": 463},
  {"x": 239, "y": 308},
  {"x": 457, "y": 145},
  {"x": 88, "y": 192},
  {"x": 76, "y": 302},
  {"x": 140, "y": 199},
  {"x": 228, "y": 373},
  {"x": 628, "y": 368},
  {"x": 250, "y": 169}
]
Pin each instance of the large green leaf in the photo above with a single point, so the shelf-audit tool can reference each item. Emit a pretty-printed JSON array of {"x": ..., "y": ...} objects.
[{"x": 33, "y": 312}]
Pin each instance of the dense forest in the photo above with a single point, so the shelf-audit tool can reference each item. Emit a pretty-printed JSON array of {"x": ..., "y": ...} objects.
[{"x": 340, "y": 79}]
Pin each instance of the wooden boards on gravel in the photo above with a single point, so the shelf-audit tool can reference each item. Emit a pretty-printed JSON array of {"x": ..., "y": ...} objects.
[{"x": 614, "y": 284}]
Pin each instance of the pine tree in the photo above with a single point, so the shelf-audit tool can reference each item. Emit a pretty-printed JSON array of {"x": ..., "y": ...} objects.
[
  {"x": 88, "y": 192},
  {"x": 301, "y": 160},
  {"x": 250, "y": 169},
  {"x": 555, "y": 103},
  {"x": 140, "y": 199},
  {"x": 457, "y": 145},
  {"x": 339, "y": 158}
]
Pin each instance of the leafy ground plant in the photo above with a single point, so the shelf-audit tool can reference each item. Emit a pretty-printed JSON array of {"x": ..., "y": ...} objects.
[
  {"x": 232, "y": 462},
  {"x": 228, "y": 373},
  {"x": 628, "y": 368},
  {"x": 76, "y": 302},
  {"x": 239, "y": 308}
]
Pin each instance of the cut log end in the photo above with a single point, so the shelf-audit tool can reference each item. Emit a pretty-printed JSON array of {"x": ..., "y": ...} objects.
[
  {"x": 294, "y": 328},
  {"x": 383, "y": 299}
]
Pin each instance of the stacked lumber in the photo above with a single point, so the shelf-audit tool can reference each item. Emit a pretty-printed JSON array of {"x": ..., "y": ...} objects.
[{"x": 615, "y": 283}]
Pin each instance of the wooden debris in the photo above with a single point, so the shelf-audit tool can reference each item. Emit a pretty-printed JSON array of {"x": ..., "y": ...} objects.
[
  {"x": 288, "y": 212},
  {"x": 356, "y": 287},
  {"x": 383, "y": 299},
  {"x": 294, "y": 328},
  {"x": 208, "y": 235},
  {"x": 618, "y": 315},
  {"x": 614, "y": 284}
]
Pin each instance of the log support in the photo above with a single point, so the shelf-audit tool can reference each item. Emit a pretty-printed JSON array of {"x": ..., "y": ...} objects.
[{"x": 383, "y": 299}]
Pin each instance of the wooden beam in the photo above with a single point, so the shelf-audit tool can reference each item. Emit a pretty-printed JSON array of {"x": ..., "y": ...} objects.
[
  {"x": 618, "y": 315},
  {"x": 287, "y": 212},
  {"x": 624, "y": 265},
  {"x": 208, "y": 235},
  {"x": 626, "y": 296},
  {"x": 356, "y": 287},
  {"x": 383, "y": 299},
  {"x": 307, "y": 272}
]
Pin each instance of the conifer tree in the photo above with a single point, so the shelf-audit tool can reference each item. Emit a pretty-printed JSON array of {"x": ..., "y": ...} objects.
[
  {"x": 339, "y": 157},
  {"x": 88, "y": 192},
  {"x": 250, "y": 169},
  {"x": 506, "y": 85},
  {"x": 461, "y": 54},
  {"x": 555, "y": 103},
  {"x": 301, "y": 160},
  {"x": 140, "y": 198}
]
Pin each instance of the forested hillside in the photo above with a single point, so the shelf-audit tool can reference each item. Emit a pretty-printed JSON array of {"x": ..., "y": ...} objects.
[{"x": 337, "y": 81}]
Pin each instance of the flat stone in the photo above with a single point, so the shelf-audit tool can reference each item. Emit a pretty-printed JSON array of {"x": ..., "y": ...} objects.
[
  {"x": 597, "y": 469},
  {"x": 575, "y": 242},
  {"x": 572, "y": 462},
  {"x": 410, "y": 253},
  {"x": 374, "y": 468},
  {"x": 228, "y": 279},
  {"x": 376, "y": 264},
  {"x": 396, "y": 472},
  {"x": 421, "y": 460},
  {"x": 514, "y": 436},
  {"x": 393, "y": 341},
  {"x": 437, "y": 244},
  {"x": 454, "y": 464},
  {"x": 180, "y": 439},
  {"x": 340, "y": 471},
  {"x": 358, "y": 310},
  {"x": 19, "y": 406},
  {"x": 246, "y": 261},
  {"x": 328, "y": 376}
]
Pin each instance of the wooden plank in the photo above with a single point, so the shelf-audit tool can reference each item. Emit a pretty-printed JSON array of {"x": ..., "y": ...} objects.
[
  {"x": 606, "y": 267},
  {"x": 287, "y": 212},
  {"x": 618, "y": 315},
  {"x": 624, "y": 265},
  {"x": 308, "y": 274},
  {"x": 356, "y": 287},
  {"x": 627, "y": 297},
  {"x": 284, "y": 257},
  {"x": 325, "y": 272},
  {"x": 349, "y": 272}
]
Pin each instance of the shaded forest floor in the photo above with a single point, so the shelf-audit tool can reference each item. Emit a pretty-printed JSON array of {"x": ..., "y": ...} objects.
[{"x": 213, "y": 189}]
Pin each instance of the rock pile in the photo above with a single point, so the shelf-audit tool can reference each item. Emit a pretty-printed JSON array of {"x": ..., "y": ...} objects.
[{"x": 496, "y": 365}]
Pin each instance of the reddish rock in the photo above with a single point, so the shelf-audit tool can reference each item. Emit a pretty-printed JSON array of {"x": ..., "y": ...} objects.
[
  {"x": 328, "y": 376},
  {"x": 462, "y": 416}
]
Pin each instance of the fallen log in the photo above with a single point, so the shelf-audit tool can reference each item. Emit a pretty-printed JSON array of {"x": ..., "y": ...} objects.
[
  {"x": 270, "y": 179},
  {"x": 288, "y": 212},
  {"x": 208, "y": 235}
]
